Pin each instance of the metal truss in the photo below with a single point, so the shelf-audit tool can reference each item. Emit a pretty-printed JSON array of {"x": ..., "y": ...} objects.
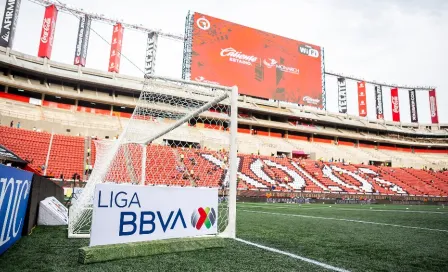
[{"x": 109, "y": 20}]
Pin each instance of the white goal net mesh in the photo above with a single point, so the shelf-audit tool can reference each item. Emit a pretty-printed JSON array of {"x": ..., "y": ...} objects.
[{"x": 179, "y": 135}]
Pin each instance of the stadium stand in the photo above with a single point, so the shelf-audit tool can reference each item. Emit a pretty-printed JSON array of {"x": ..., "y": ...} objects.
[
  {"x": 61, "y": 108},
  {"x": 66, "y": 152},
  {"x": 204, "y": 167}
]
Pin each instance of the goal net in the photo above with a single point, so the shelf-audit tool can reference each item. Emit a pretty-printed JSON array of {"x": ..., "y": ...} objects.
[{"x": 182, "y": 134}]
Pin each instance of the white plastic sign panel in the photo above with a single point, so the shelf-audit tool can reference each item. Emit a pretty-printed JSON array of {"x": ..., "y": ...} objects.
[
  {"x": 52, "y": 213},
  {"x": 131, "y": 213}
]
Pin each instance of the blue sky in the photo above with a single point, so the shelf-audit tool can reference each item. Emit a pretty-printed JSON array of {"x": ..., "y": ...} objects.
[{"x": 397, "y": 41}]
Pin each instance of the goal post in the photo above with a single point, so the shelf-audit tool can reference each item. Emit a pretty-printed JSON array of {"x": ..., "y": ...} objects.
[{"x": 181, "y": 134}]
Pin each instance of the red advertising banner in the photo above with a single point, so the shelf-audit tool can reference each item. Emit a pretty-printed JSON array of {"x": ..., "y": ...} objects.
[
  {"x": 261, "y": 64},
  {"x": 362, "y": 99},
  {"x": 48, "y": 30},
  {"x": 433, "y": 107},
  {"x": 395, "y": 105},
  {"x": 115, "y": 48}
]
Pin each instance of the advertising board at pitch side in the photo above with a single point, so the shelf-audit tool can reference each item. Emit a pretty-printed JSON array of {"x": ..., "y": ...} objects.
[{"x": 132, "y": 213}]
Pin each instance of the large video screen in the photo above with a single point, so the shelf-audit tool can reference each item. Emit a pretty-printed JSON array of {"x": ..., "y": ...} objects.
[{"x": 261, "y": 64}]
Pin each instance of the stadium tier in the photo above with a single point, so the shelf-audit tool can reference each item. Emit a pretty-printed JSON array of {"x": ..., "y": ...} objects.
[
  {"x": 71, "y": 100},
  {"x": 206, "y": 168}
]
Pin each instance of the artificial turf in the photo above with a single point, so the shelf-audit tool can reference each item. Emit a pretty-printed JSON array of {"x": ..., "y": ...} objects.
[{"x": 349, "y": 245}]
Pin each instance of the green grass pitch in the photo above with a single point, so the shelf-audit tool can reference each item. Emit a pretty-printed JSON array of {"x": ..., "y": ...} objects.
[{"x": 351, "y": 237}]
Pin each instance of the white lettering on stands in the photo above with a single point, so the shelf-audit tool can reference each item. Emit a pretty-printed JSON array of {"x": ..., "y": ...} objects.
[
  {"x": 46, "y": 28},
  {"x": 238, "y": 57}
]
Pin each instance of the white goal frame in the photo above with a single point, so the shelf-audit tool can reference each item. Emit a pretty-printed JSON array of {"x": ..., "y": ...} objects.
[{"x": 81, "y": 211}]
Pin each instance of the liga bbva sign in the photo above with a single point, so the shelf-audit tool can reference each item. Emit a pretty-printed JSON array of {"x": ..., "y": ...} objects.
[
  {"x": 9, "y": 22},
  {"x": 342, "y": 95},
  {"x": 132, "y": 213},
  {"x": 82, "y": 42}
]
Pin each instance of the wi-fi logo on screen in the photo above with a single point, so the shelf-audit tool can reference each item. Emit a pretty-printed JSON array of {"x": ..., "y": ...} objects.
[
  {"x": 308, "y": 50},
  {"x": 203, "y": 23}
]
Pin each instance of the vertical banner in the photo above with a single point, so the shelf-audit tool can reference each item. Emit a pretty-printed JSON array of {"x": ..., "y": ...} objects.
[
  {"x": 433, "y": 107},
  {"x": 79, "y": 40},
  {"x": 48, "y": 29},
  {"x": 379, "y": 102},
  {"x": 362, "y": 101},
  {"x": 342, "y": 95},
  {"x": 151, "y": 51},
  {"x": 395, "y": 105},
  {"x": 85, "y": 42},
  {"x": 82, "y": 41},
  {"x": 413, "y": 106},
  {"x": 115, "y": 48},
  {"x": 9, "y": 22},
  {"x": 15, "y": 188}
]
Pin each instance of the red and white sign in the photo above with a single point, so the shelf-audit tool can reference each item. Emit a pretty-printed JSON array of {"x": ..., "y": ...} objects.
[
  {"x": 260, "y": 63},
  {"x": 47, "y": 34},
  {"x": 433, "y": 107},
  {"x": 395, "y": 105},
  {"x": 115, "y": 48},
  {"x": 362, "y": 99}
]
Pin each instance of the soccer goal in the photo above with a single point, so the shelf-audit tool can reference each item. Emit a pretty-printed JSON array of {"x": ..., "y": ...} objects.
[{"x": 181, "y": 133}]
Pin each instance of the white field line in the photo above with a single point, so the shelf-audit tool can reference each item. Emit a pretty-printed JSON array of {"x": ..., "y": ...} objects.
[
  {"x": 347, "y": 220},
  {"x": 340, "y": 209},
  {"x": 327, "y": 266}
]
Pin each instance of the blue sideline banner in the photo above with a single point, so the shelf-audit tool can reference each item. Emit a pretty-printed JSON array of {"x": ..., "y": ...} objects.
[{"x": 15, "y": 185}]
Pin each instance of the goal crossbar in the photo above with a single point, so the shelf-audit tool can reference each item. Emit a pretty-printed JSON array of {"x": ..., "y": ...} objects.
[{"x": 184, "y": 119}]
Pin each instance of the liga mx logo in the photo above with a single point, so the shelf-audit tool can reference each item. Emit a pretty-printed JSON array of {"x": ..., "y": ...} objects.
[{"x": 202, "y": 217}]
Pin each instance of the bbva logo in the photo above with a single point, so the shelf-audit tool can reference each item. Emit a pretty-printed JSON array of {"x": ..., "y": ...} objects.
[{"x": 203, "y": 217}]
